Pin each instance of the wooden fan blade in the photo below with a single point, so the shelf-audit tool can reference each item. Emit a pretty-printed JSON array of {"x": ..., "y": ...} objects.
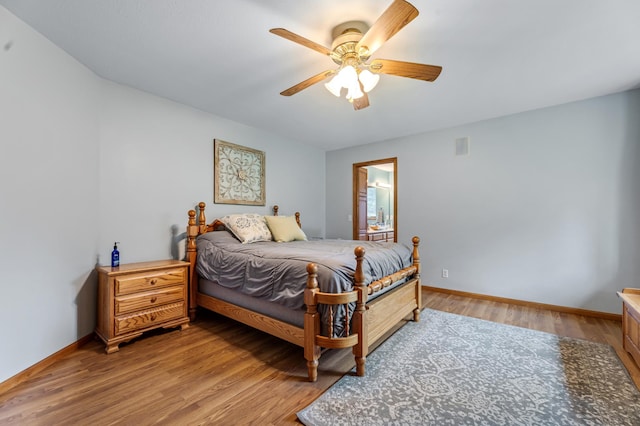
[
  {"x": 300, "y": 40},
  {"x": 406, "y": 69},
  {"x": 399, "y": 14},
  {"x": 361, "y": 102},
  {"x": 308, "y": 82}
]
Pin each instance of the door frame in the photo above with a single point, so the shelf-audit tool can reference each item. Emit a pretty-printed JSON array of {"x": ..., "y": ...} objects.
[{"x": 356, "y": 212}]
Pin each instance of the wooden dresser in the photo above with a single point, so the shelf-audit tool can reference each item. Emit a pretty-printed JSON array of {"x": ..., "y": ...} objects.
[
  {"x": 138, "y": 297},
  {"x": 631, "y": 321}
]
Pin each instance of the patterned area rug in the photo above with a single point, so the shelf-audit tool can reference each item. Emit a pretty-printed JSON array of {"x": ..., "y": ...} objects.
[{"x": 454, "y": 370}]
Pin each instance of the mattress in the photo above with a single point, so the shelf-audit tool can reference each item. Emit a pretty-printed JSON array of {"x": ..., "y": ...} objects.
[{"x": 276, "y": 272}]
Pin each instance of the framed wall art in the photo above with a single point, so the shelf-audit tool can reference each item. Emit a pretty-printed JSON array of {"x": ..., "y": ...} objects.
[{"x": 238, "y": 174}]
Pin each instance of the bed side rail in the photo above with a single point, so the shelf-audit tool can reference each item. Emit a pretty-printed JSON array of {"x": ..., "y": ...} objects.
[{"x": 381, "y": 284}]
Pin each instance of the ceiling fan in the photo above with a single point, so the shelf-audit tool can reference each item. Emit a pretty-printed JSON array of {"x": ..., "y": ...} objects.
[{"x": 353, "y": 44}]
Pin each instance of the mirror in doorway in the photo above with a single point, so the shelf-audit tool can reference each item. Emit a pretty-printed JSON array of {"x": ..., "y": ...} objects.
[
  {"x": 379, "y": 197},
  {"x": 375, "y": 200}
]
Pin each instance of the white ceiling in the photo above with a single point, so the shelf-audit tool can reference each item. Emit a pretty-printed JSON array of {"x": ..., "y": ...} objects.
[{"x": 498, "y": 56}]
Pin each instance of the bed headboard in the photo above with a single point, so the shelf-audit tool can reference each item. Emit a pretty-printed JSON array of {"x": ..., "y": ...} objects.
[
  {"x": 217, "y": 225},
  {"x": 199, "y": 227}
]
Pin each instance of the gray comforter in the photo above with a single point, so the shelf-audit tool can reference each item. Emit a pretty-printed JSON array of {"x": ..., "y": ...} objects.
[{"x": 277, "y": 271}]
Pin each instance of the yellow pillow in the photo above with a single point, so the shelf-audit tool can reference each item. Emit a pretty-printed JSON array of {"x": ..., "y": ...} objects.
[{"x": 285, "y": 228}]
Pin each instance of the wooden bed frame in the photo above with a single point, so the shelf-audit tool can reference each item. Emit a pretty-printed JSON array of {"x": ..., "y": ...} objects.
[{"x": 371, "y": 320}]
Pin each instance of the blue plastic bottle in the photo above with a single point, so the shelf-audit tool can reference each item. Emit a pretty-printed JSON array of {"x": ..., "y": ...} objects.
[{"x": 115, "y": 256}]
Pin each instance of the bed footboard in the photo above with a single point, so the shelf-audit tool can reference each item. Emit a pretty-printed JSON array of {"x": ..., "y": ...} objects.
[{"x": 370, "y": 321}]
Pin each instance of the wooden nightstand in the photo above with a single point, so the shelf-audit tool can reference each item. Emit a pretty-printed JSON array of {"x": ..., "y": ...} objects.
[
  {"x": 631, "y": 321},
  {"x": 138, "y": 297}
]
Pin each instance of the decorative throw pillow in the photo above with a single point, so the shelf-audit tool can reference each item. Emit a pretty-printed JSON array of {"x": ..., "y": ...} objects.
[
  {"x": 248, "y": 227},
  {"x": 285, "y": 228}
]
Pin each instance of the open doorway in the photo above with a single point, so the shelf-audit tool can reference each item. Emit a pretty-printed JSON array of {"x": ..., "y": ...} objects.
[{"x": 375, "y": 200}]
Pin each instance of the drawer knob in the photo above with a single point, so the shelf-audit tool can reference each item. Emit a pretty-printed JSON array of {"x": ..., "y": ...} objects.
[
  {"x": 153, "y": 299},
  {"x": 153, "y": 317},
  {"x": 153, "y": 281}
]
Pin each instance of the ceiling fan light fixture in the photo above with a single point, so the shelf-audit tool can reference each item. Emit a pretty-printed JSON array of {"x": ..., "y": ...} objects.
[
  {"x": 354, "y": 92},
  {"x": 347, "y": 77},
  {"x": 334, "y": 86},
  {"x": 368, "y": 79}
]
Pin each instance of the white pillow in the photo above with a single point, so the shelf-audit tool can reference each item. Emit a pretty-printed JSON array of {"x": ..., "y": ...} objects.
[
  {"x": 285, "y": 228},
  {"x": 248, "y": 227}
]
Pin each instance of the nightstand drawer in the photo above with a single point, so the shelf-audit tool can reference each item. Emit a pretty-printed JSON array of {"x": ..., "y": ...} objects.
[
  {"x": 148, "y": 318},
  {"x": 142, "y": 301},
  {"x": 148, "y": 281}
]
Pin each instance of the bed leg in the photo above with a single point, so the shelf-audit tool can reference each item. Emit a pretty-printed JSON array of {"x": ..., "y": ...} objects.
[
  {"x": 312, "y": 354},
  {"x": 312, "y": 367},
  {"x": 361, "y": 366},
  {"x": 311, "y": 323}
]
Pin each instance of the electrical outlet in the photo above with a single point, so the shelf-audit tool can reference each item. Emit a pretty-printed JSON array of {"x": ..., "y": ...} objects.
[
  {"x": 445, "y": 273},
  {"x": 349, "y": 218}
]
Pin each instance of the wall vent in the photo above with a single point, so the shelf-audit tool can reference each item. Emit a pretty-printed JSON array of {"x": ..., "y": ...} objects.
[{"x": 462, "y": 146}]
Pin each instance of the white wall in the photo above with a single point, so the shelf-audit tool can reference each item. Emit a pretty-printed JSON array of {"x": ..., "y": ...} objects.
[
  {"x": 48, "y": 196},
  {"x": 85, "y": 162},
  {"x": 545, "y": 208},
  {"x": 156, "y": 163}
]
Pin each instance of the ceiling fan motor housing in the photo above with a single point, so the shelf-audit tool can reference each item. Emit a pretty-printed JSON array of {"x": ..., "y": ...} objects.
[{"x": 345, "y": 39}]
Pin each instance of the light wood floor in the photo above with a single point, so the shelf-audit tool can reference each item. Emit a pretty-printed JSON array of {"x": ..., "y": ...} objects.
[{"x": 221, "y": 372}]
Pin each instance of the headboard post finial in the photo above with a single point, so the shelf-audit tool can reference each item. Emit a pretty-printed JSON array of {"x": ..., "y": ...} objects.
[
  {"x": 298, "y": 219},
  {"x": 192, "y": 232},
  {"x": 275, "y": 210},
  {"x": 202, "y": 220}
]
